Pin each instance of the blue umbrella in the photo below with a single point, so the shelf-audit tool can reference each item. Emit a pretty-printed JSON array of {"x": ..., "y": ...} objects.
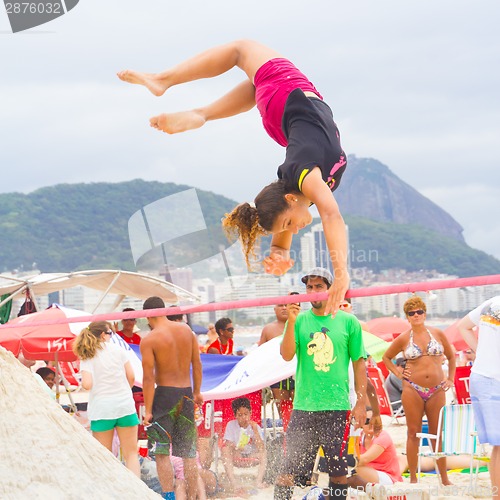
[{"x": 199, "y": 329}]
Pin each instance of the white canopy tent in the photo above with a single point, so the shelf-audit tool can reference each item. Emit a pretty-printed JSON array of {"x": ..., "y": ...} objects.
[{"x": 122, "y": 283}]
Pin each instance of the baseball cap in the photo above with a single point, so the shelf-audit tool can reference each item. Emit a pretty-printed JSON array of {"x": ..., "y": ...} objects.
[{"x": 319, "y": 271}]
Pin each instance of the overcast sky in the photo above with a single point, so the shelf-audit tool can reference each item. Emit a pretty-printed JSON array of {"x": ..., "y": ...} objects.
[{"x": 414, "y": 84}]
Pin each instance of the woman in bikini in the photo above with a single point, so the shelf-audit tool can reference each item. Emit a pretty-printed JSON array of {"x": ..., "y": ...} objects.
[
  {"x": 424, "y": 382},
  {"x": 296, "y": 117}
]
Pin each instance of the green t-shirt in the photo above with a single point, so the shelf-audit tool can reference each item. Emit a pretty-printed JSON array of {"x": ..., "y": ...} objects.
[{"x": 324, "y": 347}]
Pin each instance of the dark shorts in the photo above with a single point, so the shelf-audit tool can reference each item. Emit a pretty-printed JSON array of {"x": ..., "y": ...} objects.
[
  {"x": 307, "y": 431},
  {"x": 173, "y": 422},
  {"x": 287, "y": 384}
]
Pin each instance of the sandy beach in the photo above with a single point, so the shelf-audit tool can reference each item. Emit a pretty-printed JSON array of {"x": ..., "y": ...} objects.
[
  {"x": 427, "y": 489},
  {"x": 41, "y": 443}
]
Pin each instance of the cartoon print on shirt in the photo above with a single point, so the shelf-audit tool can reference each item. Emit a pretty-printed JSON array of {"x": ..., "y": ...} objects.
[
  {"x": 491, "y": 313},
  {"x": 321, "y": 348}
]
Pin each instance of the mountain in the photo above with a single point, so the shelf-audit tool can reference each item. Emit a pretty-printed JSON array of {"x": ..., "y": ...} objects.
[
  {"x": 386, "y": 245},
  {"x": 369, "y": 189},
  {"x": 86, "y": 226}
]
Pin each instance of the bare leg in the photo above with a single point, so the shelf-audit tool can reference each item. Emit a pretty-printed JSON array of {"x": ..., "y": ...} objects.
[
  {"x": 209, "y": 480},
  {"x": 202, "y": 493},
  {"x": 105, "y": 438},
  {"x": 363, "y": 475},
  {"x": 238, "y": 100},
  {"x": 227, "y": 460},
  {"x": 248, "y": 55},
  {"x": 191, "y": 475},
  {"x": 414, "y": 411},
  {"x": 180, "y": 489},
  {"x": 205, "y": 450},
  {"x": 262, "y": 469},
  {"x": 495, "y": 471},
  {"x": 128, "y": 443},
  {"x": 245, "y": 54},
  {"x": 165, "y": 472}
]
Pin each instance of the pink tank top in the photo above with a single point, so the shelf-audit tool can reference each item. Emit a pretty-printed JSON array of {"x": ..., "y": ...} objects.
[{"x": 273, "y": 82}]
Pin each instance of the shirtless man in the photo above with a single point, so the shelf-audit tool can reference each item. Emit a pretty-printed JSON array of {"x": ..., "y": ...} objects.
[
  {"x": 282, "y": 391},
  {"x": 168, "y": 353}
]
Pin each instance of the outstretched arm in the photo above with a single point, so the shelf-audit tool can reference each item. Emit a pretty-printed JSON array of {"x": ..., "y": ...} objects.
[{"x": 315, "y": 189}]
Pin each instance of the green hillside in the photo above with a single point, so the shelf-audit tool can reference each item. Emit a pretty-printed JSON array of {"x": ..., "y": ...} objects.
[
  {"x": 85, "y": 226},
  {"x": 413, "y": 248}
]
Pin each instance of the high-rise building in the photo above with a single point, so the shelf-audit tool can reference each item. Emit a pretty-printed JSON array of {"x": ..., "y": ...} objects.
[{"x": 314, "y": 251}]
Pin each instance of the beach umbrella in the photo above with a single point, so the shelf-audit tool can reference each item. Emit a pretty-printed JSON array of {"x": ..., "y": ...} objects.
[
  {"x": 455, "y": 337},
  {"x": 50, "y": 342},
  {"x": 199, "y": 329},
  {"x": 374, "y": 346},
  {"x": 387, "y": 328},
  {"x": 54, "y": 342}
]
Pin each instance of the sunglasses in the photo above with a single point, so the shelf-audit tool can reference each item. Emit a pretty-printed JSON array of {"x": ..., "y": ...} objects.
[
  {"x": 418, "y": 311},
  {"x": 109, "y": 332},
  {"x": 230, "y": 329}
]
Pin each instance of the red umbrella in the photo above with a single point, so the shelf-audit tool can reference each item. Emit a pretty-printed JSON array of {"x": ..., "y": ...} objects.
[
  {"x": 49, "y": 342},
  {"x": 455, "y": 338},
  {"x": 387, "y": 328}
]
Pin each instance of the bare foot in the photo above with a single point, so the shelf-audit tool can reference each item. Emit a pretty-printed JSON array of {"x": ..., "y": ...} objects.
[
  {"x": 173, "y": 123},
  {"x": 149, "y": 80}
]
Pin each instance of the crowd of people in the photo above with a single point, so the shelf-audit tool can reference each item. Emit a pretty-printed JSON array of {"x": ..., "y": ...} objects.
[
  {"x": 329, "y": 396},
  {"x": 330, "y": 393}
]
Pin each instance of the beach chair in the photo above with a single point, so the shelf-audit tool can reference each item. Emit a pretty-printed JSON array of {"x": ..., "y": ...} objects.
[
  {"x": 457, "y": 436},
  {"x": 462, "y": 378},
  {"x": 70, "y": 377},
  {"x": 386, "y": 406}
]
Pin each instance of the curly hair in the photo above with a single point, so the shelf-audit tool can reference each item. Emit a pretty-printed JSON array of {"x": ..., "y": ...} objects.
[
  {"x": 241, "y": 403},
  {"x": 89, "y": 340},
  {"x": 249, "y": 223},
  {"x": 414, "y": 303},
  {"x": 222, "y": 323}
]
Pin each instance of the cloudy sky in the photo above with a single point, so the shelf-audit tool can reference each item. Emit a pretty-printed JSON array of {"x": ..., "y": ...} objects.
[{"x": 414, "y": 84}]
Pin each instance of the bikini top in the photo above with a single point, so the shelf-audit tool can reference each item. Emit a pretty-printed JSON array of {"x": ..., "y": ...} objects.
[{"x": 413, "y": 351}]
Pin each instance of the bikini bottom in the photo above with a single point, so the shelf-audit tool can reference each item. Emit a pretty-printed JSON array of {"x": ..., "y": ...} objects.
[{"x": 426, "y": 392}]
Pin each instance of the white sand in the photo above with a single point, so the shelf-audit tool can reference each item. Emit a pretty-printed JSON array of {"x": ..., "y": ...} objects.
[
  {"x": 428, "y": 485},
  {"x": 45, "y": 453}
]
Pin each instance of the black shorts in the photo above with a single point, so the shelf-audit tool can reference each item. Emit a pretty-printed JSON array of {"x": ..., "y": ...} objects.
[
  {"x": 173, "y": 422},
  {"x": 288, "y": 384},
  {"x": 307, "y": 431}
]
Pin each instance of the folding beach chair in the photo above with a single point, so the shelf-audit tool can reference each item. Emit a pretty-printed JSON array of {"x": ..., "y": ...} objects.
[
  {"x": 385, "y": 404},
  {"x": 70, "y": 375},
  {"x": 456, "y": 434}
]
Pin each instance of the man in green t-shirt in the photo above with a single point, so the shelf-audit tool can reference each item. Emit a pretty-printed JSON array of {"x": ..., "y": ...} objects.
[{"x": 321, "y": 415}]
